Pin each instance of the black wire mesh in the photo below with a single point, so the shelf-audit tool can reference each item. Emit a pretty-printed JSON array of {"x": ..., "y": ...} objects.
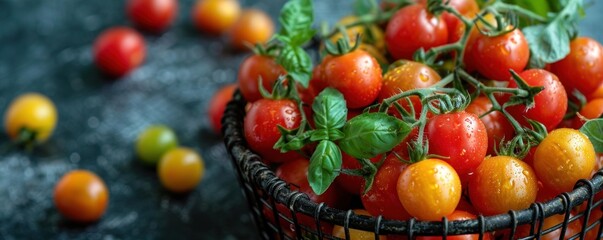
[{"x": 281, "y": 212}]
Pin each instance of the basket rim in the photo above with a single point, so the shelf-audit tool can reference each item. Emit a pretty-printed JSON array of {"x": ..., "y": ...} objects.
[{"x": 250, "y": 165}]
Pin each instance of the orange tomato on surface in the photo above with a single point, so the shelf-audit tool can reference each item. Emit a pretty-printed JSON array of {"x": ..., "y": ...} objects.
[{"x": 81, "y": 196}]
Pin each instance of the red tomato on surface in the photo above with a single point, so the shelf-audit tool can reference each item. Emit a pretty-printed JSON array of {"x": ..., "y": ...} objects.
[
  {"x": 252, "y": 69},
  {"x": 460, "y": 215},
  {"x": 549, "y": 105},
  {"x": 494, "y": 56},
  {"x": 382, "y": 198},
  {"x": 118, "y": 50},
  {"x": 260, "y": 127},
  {"x": 582, "y": 69},
  {"x": 412, "y": 28},
  {"x": 217, "y": 105},
  {"x": 357, "y": 75},
  {"x": 497, "y": 126},
  {"x": 408, "y": 76},
  {"x": 460, "y": 136},
  {"x": 467, "y": 8},
  {"x": 152, "y": 15},
  {"x": 81, "y": 196}
]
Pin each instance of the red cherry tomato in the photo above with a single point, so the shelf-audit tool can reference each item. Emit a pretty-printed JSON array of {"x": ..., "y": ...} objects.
[
  {"x": 497, "y": 126},
  {"x": 467, "y": 8},
  {"x": 412, "y": 28},
  {"x": 215, "y": 16},
  {"x": 357, "y": 75},
  {"x": 494, "y": 56},
  {"x": 152, "y": 15},
  {"x": 118, "y": 50},
  {"x": 382, "y": 198},
  {"x": 260, "y": 127},
  {"x": 549, "y": 105},
  {"x": 252, "y": 69},
  {"x": 81, "y": 196},
  {"x": 582, "y": 69},
  {"x": 217, "y": 105},
  {"x": 468, "y": 135},
  {"x": 593, "y": 109},
  {"x": 455, "y": 216}
]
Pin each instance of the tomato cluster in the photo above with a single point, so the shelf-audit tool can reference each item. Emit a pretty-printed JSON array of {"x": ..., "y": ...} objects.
[{"x": 499, "y": 146}]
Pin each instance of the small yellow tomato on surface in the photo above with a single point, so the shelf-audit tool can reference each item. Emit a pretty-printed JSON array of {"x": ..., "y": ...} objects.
[
  {"x": 81, "y": 196},
  {"x": 180, "y": 170},
  {"x": 31, "y": 117}
]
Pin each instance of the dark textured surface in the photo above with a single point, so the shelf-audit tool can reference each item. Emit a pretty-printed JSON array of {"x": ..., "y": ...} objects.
[{"x": 45, "y": 46}]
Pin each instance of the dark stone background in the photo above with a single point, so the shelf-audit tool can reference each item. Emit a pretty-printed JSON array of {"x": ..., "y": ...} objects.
[{"x": 45, "y": 46}]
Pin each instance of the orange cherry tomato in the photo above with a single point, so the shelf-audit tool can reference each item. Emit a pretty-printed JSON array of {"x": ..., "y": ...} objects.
[
  {"x": 81, "y": 196},
  {"x": 355, "y": 234},
  {"x": 180, "y": 170},
  {"x": 253, "y": 27},
  {"x": 215, "y": 16}
]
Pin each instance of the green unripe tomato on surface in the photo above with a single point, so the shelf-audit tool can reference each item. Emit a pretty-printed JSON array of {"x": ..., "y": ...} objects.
[{"x": 153, "y": 142}]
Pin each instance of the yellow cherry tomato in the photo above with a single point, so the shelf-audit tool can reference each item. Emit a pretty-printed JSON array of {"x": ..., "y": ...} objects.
[
  {"x": 562, "y": 158},
  {"x": 81, "y": 196},
  {"x": 180, "y": 170},
  {"x": 31, "y": 113},
  {"x": 355, "y": 234},
  {"x": 371, "y": 34}
]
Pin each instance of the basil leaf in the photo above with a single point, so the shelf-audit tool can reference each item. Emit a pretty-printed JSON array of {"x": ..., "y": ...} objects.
[
  {"x": 296, "y": 21},
  {"x": 370, "y": 134},
  {"x": 297, "y": 62},
  {"x": 324, "y": 167},
  {"x": 330, "y": 111},
  {"x": 550, "y": 42},
  {"x": 593, "y": 129}
]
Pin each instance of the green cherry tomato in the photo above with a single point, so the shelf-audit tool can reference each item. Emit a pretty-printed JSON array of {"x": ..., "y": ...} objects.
[{"x": 154, "y": 142}]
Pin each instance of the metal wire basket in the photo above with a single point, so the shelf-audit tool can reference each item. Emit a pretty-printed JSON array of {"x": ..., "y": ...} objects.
[{"x": 263, "y": 190}]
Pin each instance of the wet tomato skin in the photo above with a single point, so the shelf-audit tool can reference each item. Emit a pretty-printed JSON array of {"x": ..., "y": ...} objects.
[
  {"x": 514, "y": 180},
  {"x": 429, "y": 189},
  {"x": 562, "y": 158},
  {"x": 260, "y": 127},
  {"x": 497, "y": 126},
  {"x": 382, "y": 198},
  {"x": 582, "y": 69},
  {"x": 252, "y": 69},
  {"x": 494, "y": 56}
]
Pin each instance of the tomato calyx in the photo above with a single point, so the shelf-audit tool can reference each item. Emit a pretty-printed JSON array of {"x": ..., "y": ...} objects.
[
  {"x": 367, "y": 172},
  {"x": 342, "y": 46}
]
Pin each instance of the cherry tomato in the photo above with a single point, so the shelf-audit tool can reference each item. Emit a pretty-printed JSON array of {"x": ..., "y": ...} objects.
[
  {"x": 562, "y": 158},
  {"x": 497, "y": 126},
  {"x": 252, "y": 69},
  {"x": 354, "y": 234},
  {"x": 595, "y": 215},
  {"x": 597, "y": 93},
  {"x": 412, "y": 28},
  {"x": 371, "y": 35},
  {"x": 467, "y": 8},
  {"x": 408, "y": 75},
  {"x": 295, "y": 172},
  {"x": 582, "y": 69},
  {"x": 467, "y": 133},
  {"x": 350, "y": 183},
  {"x": 357, "y": 75},
  {"x": 260, "y": 127},
  {"x": 217, "y": 106},
  {"x": 215, "y": 16},
  {"x": 429, "y": 189},
  {"x": 153, "y": 142},
  {"x": 593, "y": 109},
  {"x": 81, "y": 196},
  {"x": 118, "y": 50},
  {"x": 494, "y": 56},
  {"x": 460, "y": 215},
  {"x": 30, "y": 117},
  {"x": 572, "y": 228},
  {"x": 253, "y": 27},
  {"x": 180, "y": 170},
  {"x": 152, "y": 15},
  {"x": 382, "y": 198},
  {"x": 502, "y": 183},
  {"x": 549, "y": 105}
]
